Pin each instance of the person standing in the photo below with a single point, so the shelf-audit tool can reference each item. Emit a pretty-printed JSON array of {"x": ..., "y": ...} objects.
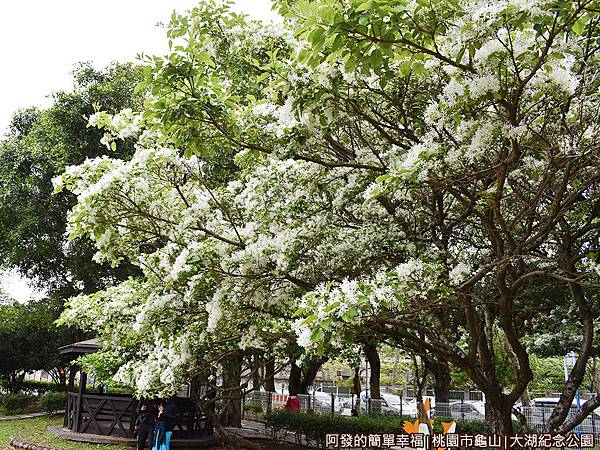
[
  {"x": 164, "y": 426},
  {"x": 144, "y": 425},
  {"x": 293, "y": 403}
]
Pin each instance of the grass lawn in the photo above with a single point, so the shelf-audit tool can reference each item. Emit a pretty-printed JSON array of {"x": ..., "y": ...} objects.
[{"x": 35, "y": 431}]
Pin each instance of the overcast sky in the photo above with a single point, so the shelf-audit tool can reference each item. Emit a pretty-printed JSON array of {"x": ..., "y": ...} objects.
[{"x": 40, "y": 41}]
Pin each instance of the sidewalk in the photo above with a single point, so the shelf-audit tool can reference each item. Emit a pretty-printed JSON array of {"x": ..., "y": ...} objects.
[
  {"x": 29, "y": 415},
  {"x": 251, "y": 430}
]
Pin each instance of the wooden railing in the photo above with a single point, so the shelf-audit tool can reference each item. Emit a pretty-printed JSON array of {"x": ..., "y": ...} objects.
[
  {"x": 107, "y": 415},
  {"x": 114, "y": 415}
]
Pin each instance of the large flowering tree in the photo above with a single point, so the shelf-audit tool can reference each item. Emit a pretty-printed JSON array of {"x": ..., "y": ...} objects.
[{"x": 406, "y": 170}]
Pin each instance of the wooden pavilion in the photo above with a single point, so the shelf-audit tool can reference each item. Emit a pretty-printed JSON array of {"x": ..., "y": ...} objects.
[{"x": 115, "y": 414}]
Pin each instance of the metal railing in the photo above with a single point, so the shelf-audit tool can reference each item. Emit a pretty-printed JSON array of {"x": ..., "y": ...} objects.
[
  {"x": 538, "y": 417},
  {"x": 347, "y": 404}
]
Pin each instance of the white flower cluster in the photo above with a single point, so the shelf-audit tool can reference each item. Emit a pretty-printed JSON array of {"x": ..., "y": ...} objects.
[{"x": 352, "y": 302}]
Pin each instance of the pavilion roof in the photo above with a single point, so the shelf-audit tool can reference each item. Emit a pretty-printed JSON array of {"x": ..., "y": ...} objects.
[{"x": 83, "y": 347}]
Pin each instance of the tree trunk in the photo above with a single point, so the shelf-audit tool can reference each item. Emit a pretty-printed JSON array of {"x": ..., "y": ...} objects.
[
  {"x": 395, "y": 370},
  {"x": 231, "y": 414},
  {"x": 561, "y": 410},
  {"x": 255, "y": 369},
  {"x": 15, "y": 382},
  {"x": 420, "y": 380},
  {"x": 503, "y": 419},
  {"x": 420, "y": 386},
  {"x": 205, "y": 401},
  {"x": 595, "y": 378},
  {"x": 356, "y": 387},
  {"x": 525, "y": 400},
  {"x": 442, "y": 379},
  {"x": 375, "y": 370},
  {"x": 269, "y": 380},
  {"x": 302, "y": 377},
  {"x": 295, "y": 380}
]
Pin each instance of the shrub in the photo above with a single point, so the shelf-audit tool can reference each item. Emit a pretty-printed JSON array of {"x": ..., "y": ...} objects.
[
  {"x": 314, "y": 427},
  {"x": 41, "y": 387},
  {"x": 53, "y": 401},
  {"x": 15, "y": 402},
  {"x": 483, "y": 427},
  {"x": 253, "y": 408}
]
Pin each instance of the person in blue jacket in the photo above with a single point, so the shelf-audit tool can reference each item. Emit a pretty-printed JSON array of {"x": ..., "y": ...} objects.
[{"x": 164, "y": 426}]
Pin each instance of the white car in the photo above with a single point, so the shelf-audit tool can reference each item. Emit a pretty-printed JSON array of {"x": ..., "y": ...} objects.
[
  {"x": 378, "y": 406},
  {"x": 402, "y": 405},
  {"x": 388, "y": 404},
  {"x": 468, "y": 409},
  {"x": 542, "y": 407},
  {"x": 479, "y": 406},
  {"x": 322, "y": 402}
]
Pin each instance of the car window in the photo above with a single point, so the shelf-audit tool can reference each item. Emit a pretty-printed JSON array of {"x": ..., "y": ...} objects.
[{"x": 463, "y": 407}]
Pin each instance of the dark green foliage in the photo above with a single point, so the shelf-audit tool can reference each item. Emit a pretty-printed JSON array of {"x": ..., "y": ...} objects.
[
  {"x": 53, "y": 401},
  {"x": 42, "y": 387},
  {"x": 314, "y": 427},
  {"x": 16, "y": 402},
  {"x": 23, "y": 121},
  {"x": 40, "y": 145},
  {"x": 25, "y": 340},
  {"x": 29, "y": 340}
]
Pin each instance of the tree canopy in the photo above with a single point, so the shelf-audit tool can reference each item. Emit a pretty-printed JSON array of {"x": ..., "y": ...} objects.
[
  {"x": 420, "y": 172},
  {"x": 29, "y": 340},
  {"x": 41, "y": 144}
]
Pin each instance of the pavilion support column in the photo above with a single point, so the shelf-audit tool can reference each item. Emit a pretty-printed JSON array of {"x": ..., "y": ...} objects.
[
  {"x": 71, "y": 383},
  {"x": 68, "y": 422},
  {"x": 80, "y": 392}
]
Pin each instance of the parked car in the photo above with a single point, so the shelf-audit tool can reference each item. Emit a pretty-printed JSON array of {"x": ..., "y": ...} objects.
[
  {"x": 388, "y": 404},
  {"x": 403, "y": 406},
  {"x": 468, "y": 409},
  {"x": 479, "y": 406},
  {"x": 380, "y": 406},
  {"x": 322, "y": 402},
  {"x": 542, "y": 407}
]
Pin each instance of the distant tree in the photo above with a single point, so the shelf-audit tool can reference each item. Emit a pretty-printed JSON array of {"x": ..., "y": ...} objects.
[
  {"x": 548, "y": 374},
  {"x": 29, "y": 341},
  {"x": 40, "y": 145},
  {"x": 23, "y": 121}
]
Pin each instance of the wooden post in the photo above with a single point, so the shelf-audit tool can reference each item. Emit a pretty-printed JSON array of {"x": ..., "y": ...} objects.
[
  {"x": 81, "y": 392},
  {"x": 133, "y": 418},
  {"x": 67, "y": 409},
  {"x": 68, "y": 421},
  {"x": 71, "y": 384}
]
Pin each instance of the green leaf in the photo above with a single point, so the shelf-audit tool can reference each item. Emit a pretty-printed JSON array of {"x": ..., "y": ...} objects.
[
  {"x": 316, "y": 336},
  {"x": 206, "y": 59},
  {"x": 310, "y": 319},
  {"x": 405, "y": 67},
  {"x": 419, "y": 68},
  {"x": 366, "y": 6},
  {"x": 332, "y": 306},
  {"x": 316, "y": 36},
  {"x": 580, "y": 25},
  {"x": 262, "y": 77}
]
